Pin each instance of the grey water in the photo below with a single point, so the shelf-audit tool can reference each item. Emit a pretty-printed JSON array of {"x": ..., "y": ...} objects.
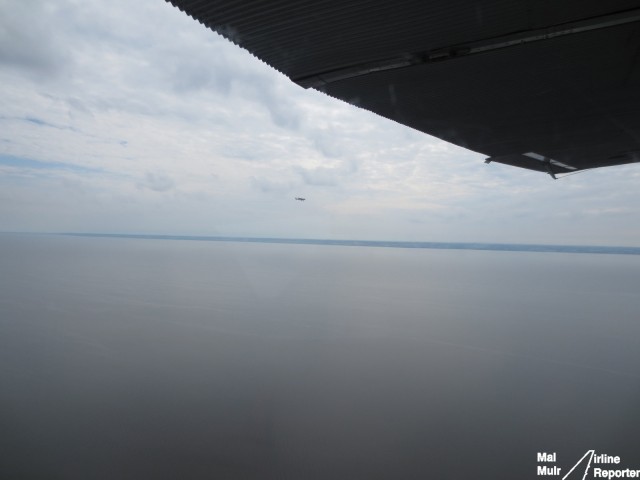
[{"x": 157, "y": 358}]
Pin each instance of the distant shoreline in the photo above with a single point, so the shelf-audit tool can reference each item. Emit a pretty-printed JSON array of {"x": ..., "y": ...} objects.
[{"x": 504, "y": 247}]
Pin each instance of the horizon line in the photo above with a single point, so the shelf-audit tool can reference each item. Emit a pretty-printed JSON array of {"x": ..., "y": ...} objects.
[{"x": 482, "y": 246}]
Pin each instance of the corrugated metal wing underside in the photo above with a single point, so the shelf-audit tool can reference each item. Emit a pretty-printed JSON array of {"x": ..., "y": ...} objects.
[{"x": 572, "y": 100}]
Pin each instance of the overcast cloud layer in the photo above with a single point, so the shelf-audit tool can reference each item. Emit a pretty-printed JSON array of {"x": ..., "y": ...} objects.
[{"x": 130, "y": 117}]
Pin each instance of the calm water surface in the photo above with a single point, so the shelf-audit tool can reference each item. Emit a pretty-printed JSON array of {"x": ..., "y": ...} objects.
[{"x": 153, "y": 359}]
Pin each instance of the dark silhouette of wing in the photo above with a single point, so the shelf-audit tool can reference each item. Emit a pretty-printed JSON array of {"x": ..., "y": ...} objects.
[{"x": 545, "y": 85}]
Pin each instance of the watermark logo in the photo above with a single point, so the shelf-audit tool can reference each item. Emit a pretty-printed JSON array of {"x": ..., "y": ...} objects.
[{"x": 590, "y": 465}]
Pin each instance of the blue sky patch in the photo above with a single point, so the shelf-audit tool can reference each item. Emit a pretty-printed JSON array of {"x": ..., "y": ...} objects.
[
  {"x": 37, "y": 121},
  {"x": 20, "y": 162}
]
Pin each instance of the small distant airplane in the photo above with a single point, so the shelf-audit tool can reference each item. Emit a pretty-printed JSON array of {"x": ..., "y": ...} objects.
[{"x": 300, "y": 199}]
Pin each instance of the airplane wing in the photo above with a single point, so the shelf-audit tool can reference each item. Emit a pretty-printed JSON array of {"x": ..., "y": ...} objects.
[{"x": 544, "y": 85}]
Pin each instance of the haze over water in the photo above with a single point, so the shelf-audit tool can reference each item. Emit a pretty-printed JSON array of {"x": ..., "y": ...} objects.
[{"x": 149, "y": 358}]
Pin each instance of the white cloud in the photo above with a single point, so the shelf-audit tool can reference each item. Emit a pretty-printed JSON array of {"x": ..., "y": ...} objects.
[{"x": 165, "y": 127}]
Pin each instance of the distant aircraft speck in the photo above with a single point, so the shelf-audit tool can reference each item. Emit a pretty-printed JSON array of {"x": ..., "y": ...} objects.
[{"x": 300, "y": 199}]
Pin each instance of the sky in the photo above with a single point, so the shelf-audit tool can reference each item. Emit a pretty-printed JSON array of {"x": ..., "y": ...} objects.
[{"x": 131, "y": 117}]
